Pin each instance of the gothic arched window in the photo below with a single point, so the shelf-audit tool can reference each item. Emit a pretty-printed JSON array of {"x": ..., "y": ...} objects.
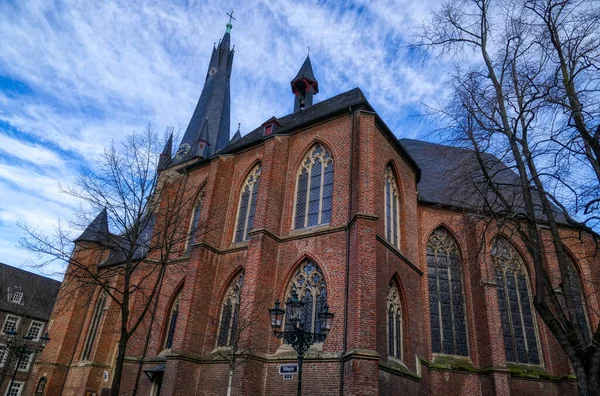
[
  {"x": 394, "y": 322},
  {"x": 446, "y": 299},
  {"x": 93, "y": 328},
  {"x": 392, "y": 205},
  {"x": 230, "y": 312},
  {"x": 195, "y": 224},
  {"x": 172, "y": 324},
  {"x": 309, "y": 285},
  {"x": 573, "y": 286},
  {"x": 41, "y": 386},
  {"x": 247, "y": 206},
  {"x": 315, "y": 189},
  {"x": 518, "y": 322}
]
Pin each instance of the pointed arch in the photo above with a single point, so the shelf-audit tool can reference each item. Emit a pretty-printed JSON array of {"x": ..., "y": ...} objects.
[
  {"x": 446, "y": 294},
  {"x": 92, "y": 332},
  {"x": 230, "y": 312},
  {"x": 516, "y": 313},
  {"x": 309, "y": 284},
  {"x": 247, "y": 205},
  {"x": 195, "y": 221},
  {"x": 314, "y": 188},
  {"x": 172, "y": 316},
  {"x": 394, "y": 320},
  {"x": 392, "y": 206},
  {"x": 574, "y": 287}
]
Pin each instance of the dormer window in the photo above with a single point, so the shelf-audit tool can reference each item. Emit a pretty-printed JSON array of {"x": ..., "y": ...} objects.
[
  {"x": 268, "y": 129},
  {"x": 15, "y": 296},
  {"x": 269, "y": 126}
]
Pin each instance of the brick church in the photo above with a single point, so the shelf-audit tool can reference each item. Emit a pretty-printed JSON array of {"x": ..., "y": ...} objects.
[{"x": 328, "y": 204}]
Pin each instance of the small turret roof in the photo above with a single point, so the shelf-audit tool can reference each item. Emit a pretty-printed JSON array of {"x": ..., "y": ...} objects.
[
  {"x": 97, "y": 231},
  {"x": 306, "y": 72}
]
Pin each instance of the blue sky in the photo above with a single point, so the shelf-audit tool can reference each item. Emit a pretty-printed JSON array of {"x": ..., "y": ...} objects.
[{"x": 74, "y": 75}]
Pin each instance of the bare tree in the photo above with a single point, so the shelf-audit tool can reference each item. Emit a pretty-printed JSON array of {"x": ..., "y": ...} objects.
[
  {"x": 527, "y": 92},
  {"x": 148, "y": 213}
]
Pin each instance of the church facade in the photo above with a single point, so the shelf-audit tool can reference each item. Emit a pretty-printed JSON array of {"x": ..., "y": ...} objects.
[{"x": 327, "y": 204}]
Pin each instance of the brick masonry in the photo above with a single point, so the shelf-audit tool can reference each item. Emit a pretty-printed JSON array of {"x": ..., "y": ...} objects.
[{"x": 350, "y": 251}]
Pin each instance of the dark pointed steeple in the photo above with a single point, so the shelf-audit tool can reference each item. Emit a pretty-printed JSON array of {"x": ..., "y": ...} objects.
[
  {"x": 97, "y": 231},
  {"x": 211, "y": 116},
  {"x": 165, "y": 157},
  {"x": 304, "y": 86}
]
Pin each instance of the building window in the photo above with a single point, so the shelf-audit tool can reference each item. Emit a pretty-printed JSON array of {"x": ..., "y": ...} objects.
[
  {"x": 14, "y": 389},
  {"x": 17, "y": 297},
  {"x": 35, "y": 330},
  {"x": 171, "y": 326},
  {"x": 394, "y": 322},
  {"x": 3, "y": 355},
  {"x": 228, "y": 327},
  {"x": 25, "y": 362},
  {"x": 573, "y": 287},
  {"x": 11, "y": 324},
  {"x": 195, "y": 223},
  {"x": 93, "y": 329},
  {"x": 446, "y": 298},
  {"x": 392, "y": 205},
  {"x": 309, "y": 285},
  {"x": 247, "y": 205},
  {"x": 41, "y": 386},
  {"x": 315, "y": 189},
  {"x": 518, "y": 322}
]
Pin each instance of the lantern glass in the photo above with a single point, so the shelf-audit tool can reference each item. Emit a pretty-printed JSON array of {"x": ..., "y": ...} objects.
[
  {"x": 326, "y": 319},
  {"x": 294, "y": 308},
  {"x": 276, "y": 314}
]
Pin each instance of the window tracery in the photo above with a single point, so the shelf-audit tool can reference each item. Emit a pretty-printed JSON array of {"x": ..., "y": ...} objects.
[
  {"x": 172, "y": 324},
  {"x": 573, "y": 286},
  {"x": 314, "y": 189},
  {"x": 446, "y": 298},
  {"x": 228, "y": 331},
  {"x": 93, "y": 328},
  {"x": 309, "y": 285},
  {"x": 394, "y": 322},
  {"x": 392, "y": 206},
  {"x": 247, "y": 205},
  {"x": 518, "y": 322}
]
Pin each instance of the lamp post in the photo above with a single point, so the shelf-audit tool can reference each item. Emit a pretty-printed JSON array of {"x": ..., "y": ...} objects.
[
  {"x": 22, "y": 349},
  {"x": 296, "y": 336}
]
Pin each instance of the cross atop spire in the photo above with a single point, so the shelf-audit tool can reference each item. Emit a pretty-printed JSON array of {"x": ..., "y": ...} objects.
[{"x": 229, "y": 25}]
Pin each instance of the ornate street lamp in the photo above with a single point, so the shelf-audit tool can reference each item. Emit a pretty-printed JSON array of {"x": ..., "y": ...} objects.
[
  {"x": 296, "y": 336},
  {"x": 23, "y": 348}
]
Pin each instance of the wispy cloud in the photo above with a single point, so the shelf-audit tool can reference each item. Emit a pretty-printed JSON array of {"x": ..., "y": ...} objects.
[{"x": 74, "y": 75}]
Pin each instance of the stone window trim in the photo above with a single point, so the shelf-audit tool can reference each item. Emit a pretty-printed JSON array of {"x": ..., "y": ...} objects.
[
  {"x": 3, "y": 354},
  {"x": 14, "y": 389},
  {"x": 394, "y": 323},
  {"x": 25, "y": 363},
  {"x": 36, "y": 329},
  {"x": 244, "y": 220},
  {"x": 171, "y": 324},
  {"x": 11, "y": 322},
  {"x": 93, "y": 326},
  {"x": 229, "y": 314},
  {"x": 194, "y": 223},
  {"x": 509, "y": 266},
  {"x": 445, "y": 277},
  {"x": 318, "y": 153},
  {"x": 310, "y": 286},
  {"x": 391, "y": 208}
]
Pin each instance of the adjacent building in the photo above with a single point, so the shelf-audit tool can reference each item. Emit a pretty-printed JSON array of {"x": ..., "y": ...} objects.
[
  {"x": 327, "y": 204},
  {"x": 25, "y": 306}
]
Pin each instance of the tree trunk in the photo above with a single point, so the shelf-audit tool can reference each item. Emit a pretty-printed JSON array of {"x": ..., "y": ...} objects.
[
  {"x": 230, "y": 381},
  {"x": 116, "y": 382},
  {"x": 588, "y": 375}
]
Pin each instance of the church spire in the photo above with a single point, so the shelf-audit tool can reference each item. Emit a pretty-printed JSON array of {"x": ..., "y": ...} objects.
[
  {"x": 165, "y": 157},
  {"x": 211, "y": 117},
  {"x": 304, "y": 86}
]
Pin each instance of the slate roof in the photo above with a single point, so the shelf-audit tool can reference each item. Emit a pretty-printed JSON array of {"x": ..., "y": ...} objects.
[{"x": 39, "y": 292}]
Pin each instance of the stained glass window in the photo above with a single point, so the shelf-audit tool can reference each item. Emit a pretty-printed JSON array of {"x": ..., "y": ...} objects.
[
  {"x": 446, "y": 298},
  {"x": 93, "y": 328},
  {"x": 394, "y": 322},
  {"x": 516, "y": 313},
  {"x": 573, "y": 286},
  {"x": 314, "y": 199},
  {"x": 228, "y": 329},
  {"x": 248, "y": 197},
  {"x": 309, "y": 285},
  {"x": 195, "y": 226},
  {"x": 391, "y": 208},
  {"x": 172, "y": 325}
]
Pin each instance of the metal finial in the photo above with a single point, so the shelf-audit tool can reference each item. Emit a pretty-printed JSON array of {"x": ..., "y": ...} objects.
[
  {"x": 308, "y": 50},
  {"x": 229, "y": 25},
  {"x": 239, "y": 125}
]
